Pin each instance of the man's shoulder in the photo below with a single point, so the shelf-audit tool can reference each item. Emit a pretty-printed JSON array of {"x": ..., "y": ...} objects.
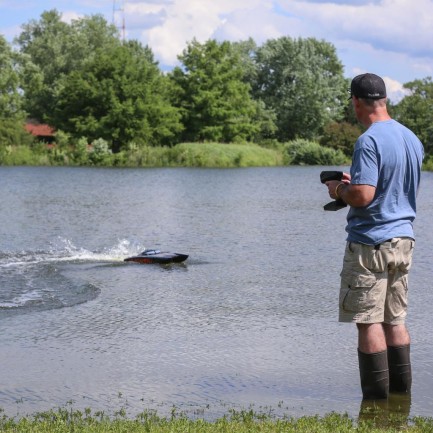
[{"x": 404, "y": 128}]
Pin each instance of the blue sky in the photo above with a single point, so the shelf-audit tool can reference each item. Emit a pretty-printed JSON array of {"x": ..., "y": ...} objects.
[{"x": 392, "y": 38}]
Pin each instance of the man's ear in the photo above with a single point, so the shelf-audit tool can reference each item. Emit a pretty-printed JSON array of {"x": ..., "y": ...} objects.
[{"x": 356, "y": 102}]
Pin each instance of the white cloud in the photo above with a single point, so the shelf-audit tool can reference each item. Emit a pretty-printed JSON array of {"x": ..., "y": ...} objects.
[
  {"x": 141, "y": 17},
  {"x": 395, "y": 90},
  {"x": 260, "y": 17},
  {"x": 70, "y": 16},
  {"x": 384, "y": 36},
  {"x": 182, "y": 20},
  {"x": 397, "y": 25}
]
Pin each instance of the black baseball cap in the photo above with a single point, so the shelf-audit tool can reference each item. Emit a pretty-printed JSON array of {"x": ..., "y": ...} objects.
[{"x": 368, "y": 86}]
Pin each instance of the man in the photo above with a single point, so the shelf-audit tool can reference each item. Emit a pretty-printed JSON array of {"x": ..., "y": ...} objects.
[{"x": 381, "y": 191}]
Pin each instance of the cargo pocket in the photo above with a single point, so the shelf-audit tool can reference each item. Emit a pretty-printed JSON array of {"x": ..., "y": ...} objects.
[
  {"x": 355, "y": 293},
  {"x": 406, "y": 256}
]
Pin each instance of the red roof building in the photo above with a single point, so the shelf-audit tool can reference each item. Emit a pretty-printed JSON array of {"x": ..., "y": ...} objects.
[
  {"x": 41, "y": 131},
  {"x": 44, "y": 133}
]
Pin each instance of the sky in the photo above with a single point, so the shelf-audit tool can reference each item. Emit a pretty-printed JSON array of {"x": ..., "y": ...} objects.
[{"x": 392, "y": 38}]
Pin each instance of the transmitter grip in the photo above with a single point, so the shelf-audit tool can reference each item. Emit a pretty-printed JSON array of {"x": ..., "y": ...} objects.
[{"x": 332, "y": 175}]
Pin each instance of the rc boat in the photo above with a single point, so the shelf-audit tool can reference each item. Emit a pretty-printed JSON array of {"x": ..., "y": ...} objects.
[{"x": 156, "y": 256}]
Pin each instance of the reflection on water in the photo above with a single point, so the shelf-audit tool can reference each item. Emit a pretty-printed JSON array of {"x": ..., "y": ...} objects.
[
  {"x": 391, "y": 413},
  {"x": 249, "y": 319}
]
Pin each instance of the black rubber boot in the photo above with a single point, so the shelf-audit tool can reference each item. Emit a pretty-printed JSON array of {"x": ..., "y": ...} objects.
[
  {"x": 373, "y": 368},
  {"x": 400, "y": 371}
]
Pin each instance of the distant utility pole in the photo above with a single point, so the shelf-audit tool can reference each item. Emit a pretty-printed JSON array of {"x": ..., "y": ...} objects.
[{"x": 119, "y": 16}]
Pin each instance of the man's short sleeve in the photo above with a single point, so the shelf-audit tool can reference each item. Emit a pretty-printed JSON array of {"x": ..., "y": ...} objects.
[{"x": 364, "y": 169}]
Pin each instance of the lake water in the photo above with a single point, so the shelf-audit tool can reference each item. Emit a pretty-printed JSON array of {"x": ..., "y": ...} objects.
[{"x": 249, "y": 320}]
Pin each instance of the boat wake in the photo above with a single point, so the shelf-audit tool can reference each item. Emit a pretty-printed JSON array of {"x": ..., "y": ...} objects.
[
  {"x": 37, "y": 280},
  {"x": 64, "y": 250}
]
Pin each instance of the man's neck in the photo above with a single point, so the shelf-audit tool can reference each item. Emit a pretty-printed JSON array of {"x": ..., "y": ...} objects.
[{"x": 378, "y": 115}]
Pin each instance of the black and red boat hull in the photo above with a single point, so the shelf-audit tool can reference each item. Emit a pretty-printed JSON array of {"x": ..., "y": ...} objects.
[{"x": 155, "y": 256}]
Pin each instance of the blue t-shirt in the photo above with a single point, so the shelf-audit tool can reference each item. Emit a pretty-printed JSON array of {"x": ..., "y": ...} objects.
[{"x": 389, "y": 157}]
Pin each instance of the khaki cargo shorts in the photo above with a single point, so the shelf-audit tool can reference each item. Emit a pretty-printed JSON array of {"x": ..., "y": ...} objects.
[{"x": 374, "y": 282}]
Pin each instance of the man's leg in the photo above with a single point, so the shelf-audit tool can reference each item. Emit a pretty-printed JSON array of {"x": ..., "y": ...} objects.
[
  {"x": 396, "y": 335},
  {"x": 363, "y": 293},
  {"x": 373, "y": 361},
  {"x": 400, "y": 370},
  {"x": 371, "y": 337}
]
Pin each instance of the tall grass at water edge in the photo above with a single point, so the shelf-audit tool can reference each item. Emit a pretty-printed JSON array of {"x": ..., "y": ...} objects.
[{"x": 210, "y": 155}]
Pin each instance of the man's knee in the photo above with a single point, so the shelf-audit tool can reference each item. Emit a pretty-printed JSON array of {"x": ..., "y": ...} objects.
[{"x": 396, "y": 335}]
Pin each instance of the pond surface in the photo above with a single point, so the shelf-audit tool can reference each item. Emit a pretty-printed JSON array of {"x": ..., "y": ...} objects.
[{"x": 249, "y": 320}]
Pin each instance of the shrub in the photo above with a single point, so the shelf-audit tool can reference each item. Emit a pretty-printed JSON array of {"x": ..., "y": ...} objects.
[
  {"x": 340, "y": 136},
  {"x": 22, "y": 155},
  {"x": 101, "y": 152},
  {"x": 62, "y": 139},
  {"x": 12, "y": 133},
  {"x": 80, "y": 153},
  {"x": 304, "y": 152}
]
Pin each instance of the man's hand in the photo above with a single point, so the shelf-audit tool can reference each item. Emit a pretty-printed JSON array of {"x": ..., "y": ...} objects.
[
  {"x": 353, "y": 195},
  {"x": 332, "y": 179},
  {"x": 332, "y": 185}
]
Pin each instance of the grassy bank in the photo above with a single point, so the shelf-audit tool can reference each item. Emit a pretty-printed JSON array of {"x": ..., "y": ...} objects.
[
  {"x": 212, "y": 155},
  {"x": 65, "y": 420},
  {"x": 209, "y": 155}
]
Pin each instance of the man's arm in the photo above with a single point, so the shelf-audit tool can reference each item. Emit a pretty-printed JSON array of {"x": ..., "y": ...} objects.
[{"x": 353, "y": 195}]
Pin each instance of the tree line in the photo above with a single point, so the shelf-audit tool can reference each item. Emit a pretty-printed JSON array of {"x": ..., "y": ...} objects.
[{"x": 92, "y": 87}]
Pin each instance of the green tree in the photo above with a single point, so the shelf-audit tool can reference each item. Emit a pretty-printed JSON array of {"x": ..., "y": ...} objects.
[
  {"x": 215, "y": 101},
  {"x": 264, "y": 117},
  {"x": 53, "y": 49},
  {"x": 416, "y": 111},
  {"x": 12, "y": 132},
  {"x": 10, "y": 99},
  {"x": 302, "y": 81},
  {"x": 247, "y": 52},
  {"x": 43, "y": 42},
  {"x": 119, "y": 95}
]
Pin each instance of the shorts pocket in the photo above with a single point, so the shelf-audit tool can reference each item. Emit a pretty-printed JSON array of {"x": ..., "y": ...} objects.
[
  {"x": 355, "y": 293},
  {"x": 405, "y": 258}
]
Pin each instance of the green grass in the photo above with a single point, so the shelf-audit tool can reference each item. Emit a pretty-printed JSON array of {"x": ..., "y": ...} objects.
[
  {"x": 248, "y": 421},
  {"x": 211, "y": 155},
  {"x": 223, "y": 155}
]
